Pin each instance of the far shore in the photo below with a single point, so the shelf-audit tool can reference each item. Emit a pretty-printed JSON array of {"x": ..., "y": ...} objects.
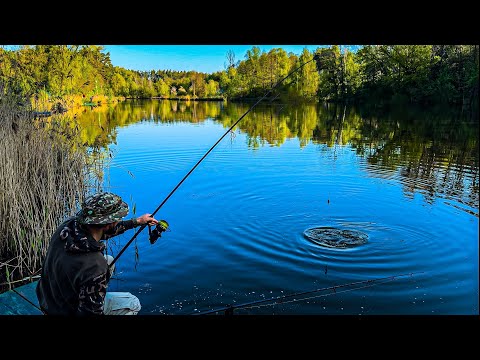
[{"x": 180, "y": 98}]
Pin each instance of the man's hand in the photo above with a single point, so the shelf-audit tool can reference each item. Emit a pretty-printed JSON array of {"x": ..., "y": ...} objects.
[{"x": 147, "y": 219}]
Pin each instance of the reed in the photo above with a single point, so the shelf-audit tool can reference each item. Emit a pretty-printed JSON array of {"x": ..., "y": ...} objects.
[{"x": 43, "y": 179}]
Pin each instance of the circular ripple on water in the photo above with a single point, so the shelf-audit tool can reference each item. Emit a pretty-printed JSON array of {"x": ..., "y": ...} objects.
[{"x": 335, "y": 238}]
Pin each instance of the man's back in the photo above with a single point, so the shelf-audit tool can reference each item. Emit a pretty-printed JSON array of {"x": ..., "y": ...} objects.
[{"x": 74, "y": 269}]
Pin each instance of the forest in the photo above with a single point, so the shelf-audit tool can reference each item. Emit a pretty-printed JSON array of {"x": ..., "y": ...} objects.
[{"x": 422, "y": 74}]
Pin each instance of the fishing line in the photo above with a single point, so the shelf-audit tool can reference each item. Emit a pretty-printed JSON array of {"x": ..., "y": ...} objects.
[
  {"x": 370, "y": 284},
  {"x": 280, "y": 299},
  {"x": 315, "y": 57}
]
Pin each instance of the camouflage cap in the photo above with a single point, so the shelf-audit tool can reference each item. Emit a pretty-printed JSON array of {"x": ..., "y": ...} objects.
[{"x": 102, "y": 208}]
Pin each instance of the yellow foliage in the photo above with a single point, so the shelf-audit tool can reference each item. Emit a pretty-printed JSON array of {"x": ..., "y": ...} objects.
[
  {"x": 100, "y": 99},
  {"x": 72, "y": 101},
  {"x": 40, "y": 101}
]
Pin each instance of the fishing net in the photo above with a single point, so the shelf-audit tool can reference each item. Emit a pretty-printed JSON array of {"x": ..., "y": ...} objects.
[{"x": 335, "y": 238}]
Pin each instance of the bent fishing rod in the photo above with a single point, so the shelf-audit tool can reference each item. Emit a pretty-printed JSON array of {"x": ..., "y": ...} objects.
[
  {"x": 315, "y": 57},
  {"x": 228, "y": 310}
]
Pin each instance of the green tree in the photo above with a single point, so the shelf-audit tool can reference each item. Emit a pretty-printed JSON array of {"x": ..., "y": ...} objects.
[
  {"x": 119, "y": 85},
  {"x": 330, "y": 78},
  {"x": 309, "y": 79},
  {"x": 211, "y": 88}
]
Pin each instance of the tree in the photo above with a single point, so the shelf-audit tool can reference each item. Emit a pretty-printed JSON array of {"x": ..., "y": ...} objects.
[
  {"x": 119, "y": 85},
  {"x": 211, "y": 88},
  {"x": 330, "y": 73},
  {"x": 198, "y": 84},
  {"x": 308, "y": 79},
  {"x": 230, "y": 59}
]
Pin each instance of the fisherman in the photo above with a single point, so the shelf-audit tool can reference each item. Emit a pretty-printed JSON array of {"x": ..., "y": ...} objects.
[{"x": 75, "y": 272}]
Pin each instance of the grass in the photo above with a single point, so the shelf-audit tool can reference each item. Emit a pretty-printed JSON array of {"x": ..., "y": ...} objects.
[{"x": 43, "y": 179}]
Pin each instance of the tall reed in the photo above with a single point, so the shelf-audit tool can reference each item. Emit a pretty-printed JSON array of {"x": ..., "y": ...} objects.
[{"x": 43, "y": 179}]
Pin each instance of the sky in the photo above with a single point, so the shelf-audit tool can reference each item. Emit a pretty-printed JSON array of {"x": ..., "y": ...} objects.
[{"x": 201, "y": 58}]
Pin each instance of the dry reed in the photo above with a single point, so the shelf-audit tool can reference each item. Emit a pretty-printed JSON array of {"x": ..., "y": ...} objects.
[{"x": 43, "y": 179}]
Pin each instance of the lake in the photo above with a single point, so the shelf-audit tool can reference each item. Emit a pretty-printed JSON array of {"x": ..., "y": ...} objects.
[{"x": 406, "y": 179}]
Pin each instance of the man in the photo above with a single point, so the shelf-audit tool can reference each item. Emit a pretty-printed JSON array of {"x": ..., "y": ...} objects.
[{"x": 75, "y": 273}]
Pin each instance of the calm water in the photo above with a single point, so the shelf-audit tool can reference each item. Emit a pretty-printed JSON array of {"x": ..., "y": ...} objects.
[{"x": 409, "y": 180}]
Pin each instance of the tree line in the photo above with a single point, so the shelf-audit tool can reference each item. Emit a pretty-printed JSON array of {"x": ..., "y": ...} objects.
[{"x": 423, "y": 74}]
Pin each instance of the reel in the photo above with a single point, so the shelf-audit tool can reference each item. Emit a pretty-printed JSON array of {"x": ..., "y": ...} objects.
[{"x": 154, "y": 234}]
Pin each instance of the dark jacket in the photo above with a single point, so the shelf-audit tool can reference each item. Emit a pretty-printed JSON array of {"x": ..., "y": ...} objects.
[{"x": 74, "y": 272}]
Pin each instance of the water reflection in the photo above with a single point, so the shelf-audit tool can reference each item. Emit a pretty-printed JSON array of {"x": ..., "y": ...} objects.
[{"x": 434, "y": 154}]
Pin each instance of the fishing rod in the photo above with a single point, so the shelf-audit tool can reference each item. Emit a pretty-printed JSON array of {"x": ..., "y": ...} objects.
[
  {"x": 281, "y": 299},
  {"x": 164, "y": 224},
  {"x": 29, "y": 301}
]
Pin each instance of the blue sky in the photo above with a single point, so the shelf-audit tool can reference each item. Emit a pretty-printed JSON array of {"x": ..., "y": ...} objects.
[{"x": 201, "y": 58}]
